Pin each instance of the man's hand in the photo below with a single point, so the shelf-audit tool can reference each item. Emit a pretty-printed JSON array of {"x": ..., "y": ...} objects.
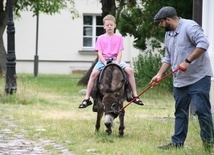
[
  {"x": 155, "y": 80},
  {"x": 183, "y": 66}
]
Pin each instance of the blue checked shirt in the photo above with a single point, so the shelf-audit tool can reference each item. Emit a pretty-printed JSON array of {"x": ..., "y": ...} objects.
[{"x": 179, "y": 44}]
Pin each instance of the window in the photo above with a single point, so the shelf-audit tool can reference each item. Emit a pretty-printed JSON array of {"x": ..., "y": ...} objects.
[{"x": 92, "y": 28}]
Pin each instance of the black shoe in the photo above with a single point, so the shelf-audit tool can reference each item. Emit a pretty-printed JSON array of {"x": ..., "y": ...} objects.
[
  {"x": 171, "y": 146},
  {"x": 85, "y": 103},
  {"x": 136, "y": 100}
]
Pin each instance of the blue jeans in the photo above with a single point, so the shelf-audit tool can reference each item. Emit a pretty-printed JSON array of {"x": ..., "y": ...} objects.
[{"x": 199, "y": 94}]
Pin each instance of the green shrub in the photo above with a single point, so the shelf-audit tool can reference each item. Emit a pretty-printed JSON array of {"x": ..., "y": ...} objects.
[{"x": 146, "y": 67}]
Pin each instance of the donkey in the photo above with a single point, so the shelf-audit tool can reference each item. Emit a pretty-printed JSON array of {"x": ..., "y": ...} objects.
[{"x": 111, "y": 89}]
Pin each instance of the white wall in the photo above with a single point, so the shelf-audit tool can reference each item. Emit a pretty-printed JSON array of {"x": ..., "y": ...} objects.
[{"x": 208, "y": 26}]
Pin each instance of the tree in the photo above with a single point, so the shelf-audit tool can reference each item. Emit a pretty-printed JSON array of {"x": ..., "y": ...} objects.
[
  {"x": 137, "y": 20},
  {"x": 3, "y": 21},
  {"x": 45, "y": 6}
]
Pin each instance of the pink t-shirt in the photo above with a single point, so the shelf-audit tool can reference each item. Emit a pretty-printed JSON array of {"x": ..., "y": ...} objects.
[{"x": 109, "y": 45}]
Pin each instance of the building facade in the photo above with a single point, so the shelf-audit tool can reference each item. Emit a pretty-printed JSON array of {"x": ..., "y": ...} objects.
[{"x": 64, "y": 44}]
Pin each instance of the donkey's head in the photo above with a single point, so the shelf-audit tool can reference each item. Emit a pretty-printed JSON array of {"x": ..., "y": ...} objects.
[{"x": 112, "y": 100}]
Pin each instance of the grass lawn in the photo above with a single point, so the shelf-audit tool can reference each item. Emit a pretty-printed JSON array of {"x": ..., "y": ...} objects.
[{"x": 50, "y": 103}]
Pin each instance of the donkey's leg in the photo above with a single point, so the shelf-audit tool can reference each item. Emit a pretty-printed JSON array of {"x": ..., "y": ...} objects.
[
  {"x": 121, "y": 126},
  {"x": 99, "y": 117}
]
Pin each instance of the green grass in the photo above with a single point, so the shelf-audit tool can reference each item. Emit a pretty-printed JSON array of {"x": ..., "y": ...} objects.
[{"x": 47, "y": 107}]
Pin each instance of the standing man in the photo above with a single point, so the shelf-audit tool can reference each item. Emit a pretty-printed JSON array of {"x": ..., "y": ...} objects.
[{"x": 186, "y": 49}]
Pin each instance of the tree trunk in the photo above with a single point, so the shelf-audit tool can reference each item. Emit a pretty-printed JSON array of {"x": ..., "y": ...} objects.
[
  {"x": 108, "y": 7},
  {"x": 197, "y": 11},
  {"x": 3, "y": 23}
]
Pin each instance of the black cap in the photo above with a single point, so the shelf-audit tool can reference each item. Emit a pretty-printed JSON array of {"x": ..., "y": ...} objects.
[{"x": 165, "y": 12}]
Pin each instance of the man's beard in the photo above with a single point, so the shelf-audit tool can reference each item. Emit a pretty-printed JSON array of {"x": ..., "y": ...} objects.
[{"x": 167, "y": 27}]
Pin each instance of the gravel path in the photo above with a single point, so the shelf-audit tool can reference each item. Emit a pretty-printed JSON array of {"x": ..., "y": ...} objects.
[{"x": 13, "y": 141}]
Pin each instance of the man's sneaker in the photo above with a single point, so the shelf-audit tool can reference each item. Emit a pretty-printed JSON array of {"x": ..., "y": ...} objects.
[{"x": 171, "y": 146}]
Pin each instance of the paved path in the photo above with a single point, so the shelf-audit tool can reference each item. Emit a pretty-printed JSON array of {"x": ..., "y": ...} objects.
[{"x": 14, "y": 142}]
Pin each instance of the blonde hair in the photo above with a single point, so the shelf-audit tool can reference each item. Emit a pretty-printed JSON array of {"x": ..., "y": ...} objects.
[{"x": 109, "y": 17}]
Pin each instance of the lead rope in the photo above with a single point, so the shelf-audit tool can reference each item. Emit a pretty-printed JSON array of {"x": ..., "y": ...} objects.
[{"x": 148, "y": 87}]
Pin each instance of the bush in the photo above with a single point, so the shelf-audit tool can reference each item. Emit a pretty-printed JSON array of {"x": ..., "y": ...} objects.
[{"x": 146, "y": 67}]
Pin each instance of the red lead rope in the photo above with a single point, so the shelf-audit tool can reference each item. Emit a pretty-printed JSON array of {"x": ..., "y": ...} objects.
[{"x": 149, "y": 86}]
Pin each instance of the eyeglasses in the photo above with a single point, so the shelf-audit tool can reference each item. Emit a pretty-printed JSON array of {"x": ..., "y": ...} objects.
[{"x": 161, "y": 21}]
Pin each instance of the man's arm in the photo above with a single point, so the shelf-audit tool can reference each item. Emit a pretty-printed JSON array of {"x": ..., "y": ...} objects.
[
  {"x": 160, "y": 74},
  {"x": 194, "y": 55}
]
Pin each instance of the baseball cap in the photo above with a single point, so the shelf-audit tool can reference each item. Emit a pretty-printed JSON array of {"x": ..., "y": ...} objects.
[{"x": 165, "y": 12}]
